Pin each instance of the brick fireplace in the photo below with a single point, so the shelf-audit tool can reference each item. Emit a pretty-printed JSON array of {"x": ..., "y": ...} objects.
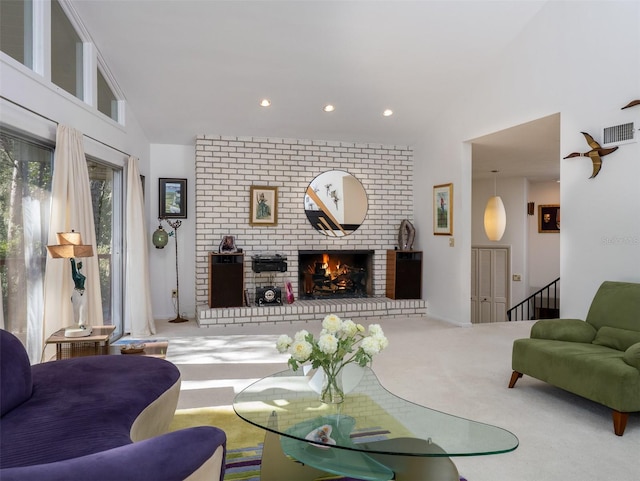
[
  {"x": 227, "y": 167},
  {"x": 335, "y": 274}
]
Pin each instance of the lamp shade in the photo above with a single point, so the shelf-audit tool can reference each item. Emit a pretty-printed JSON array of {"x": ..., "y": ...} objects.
[
  {"x": 69, "y": 246},
  {"x": 495, "y": 218}
]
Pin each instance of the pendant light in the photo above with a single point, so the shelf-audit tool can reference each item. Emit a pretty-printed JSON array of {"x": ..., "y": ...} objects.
[{"x": 495, "y": 217}]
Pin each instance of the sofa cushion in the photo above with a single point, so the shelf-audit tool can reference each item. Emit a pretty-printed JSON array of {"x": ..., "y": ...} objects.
[
  {"x": 616, "y": 338},
  {"x": 16, "y": 384},
  {"x": 632, "y": 356},
  {"x": 616, "y": 304},
  {"x": 573, "y": 330}
]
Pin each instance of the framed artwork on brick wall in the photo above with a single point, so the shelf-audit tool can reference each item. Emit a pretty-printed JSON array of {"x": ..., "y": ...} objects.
[
  {"x": 263, "y": 206},
  {"x": 443, "y": 209},
  {"x": 172, "y": 198}
]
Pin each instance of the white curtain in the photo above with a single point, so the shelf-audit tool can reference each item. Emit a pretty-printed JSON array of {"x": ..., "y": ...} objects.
[
  {"x": 71, "y": 209},
  {"x": 138, "y": 315}
]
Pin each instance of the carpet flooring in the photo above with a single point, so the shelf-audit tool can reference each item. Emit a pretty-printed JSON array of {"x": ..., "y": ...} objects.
[{"x": 459, "y": 370}]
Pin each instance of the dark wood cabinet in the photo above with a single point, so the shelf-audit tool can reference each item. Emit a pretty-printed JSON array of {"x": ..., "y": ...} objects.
[
  {"x": 404, "y": 274},
  {"x": 226, "y": 280}
]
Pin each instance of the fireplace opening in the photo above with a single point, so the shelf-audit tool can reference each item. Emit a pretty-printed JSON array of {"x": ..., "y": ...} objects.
[{"x": 335, "y": 274}]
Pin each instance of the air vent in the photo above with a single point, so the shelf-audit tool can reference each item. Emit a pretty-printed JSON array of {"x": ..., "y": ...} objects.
[{"x": 618, "y": 134}]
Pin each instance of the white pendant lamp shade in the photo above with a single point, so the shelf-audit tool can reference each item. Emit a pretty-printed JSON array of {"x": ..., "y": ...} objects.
[{"x": 495, "y": 218}]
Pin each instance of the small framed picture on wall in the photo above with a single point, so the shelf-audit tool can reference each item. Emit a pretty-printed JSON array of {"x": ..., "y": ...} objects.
[
  {"x": 172, "y": 198},
  {"x": 548, "y": 219},
  {"x": 263, "y": 206},
  {"x": 443, "y": 209}
]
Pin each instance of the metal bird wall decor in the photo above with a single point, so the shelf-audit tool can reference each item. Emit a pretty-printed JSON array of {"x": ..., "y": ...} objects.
[
  {"x": 595, "y": 154},
  {"x": 633, "y": 103}
]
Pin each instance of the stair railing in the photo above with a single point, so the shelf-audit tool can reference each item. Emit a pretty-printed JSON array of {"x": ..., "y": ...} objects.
[{"x": 545, "y": 298}]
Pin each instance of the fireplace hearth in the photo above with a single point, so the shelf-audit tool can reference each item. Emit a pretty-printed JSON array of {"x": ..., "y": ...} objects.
[{"x": 331, "y": 274}]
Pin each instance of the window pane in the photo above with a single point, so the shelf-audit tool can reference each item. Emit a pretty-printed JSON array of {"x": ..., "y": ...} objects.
[
  {"x": 66, "y": 53},
  {"x": 105, "y": 199},
  {"x": 25, "y": 194},
  {"x": 16, "y": 30},
  {"x": 107, "y": 102}
]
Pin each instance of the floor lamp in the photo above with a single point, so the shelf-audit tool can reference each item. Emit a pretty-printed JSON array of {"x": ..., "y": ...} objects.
[{"x": 160, "y": 239}]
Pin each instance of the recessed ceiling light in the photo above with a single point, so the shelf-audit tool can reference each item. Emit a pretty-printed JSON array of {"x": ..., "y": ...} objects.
[
  {"x": 265, "y": 103},
  {"x": 329, "y": 108},
  {"x": 387, "y": 113}
]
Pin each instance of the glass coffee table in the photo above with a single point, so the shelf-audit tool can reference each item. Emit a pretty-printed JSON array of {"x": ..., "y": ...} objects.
[{"x": 373, "y": 435}]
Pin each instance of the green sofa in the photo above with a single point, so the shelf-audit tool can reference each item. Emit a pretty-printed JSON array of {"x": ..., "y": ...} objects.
[{"x": 598, "y": 359}]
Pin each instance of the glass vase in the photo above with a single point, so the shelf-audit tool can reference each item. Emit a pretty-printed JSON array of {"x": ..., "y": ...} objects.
[{"x": 332, "y": 392}]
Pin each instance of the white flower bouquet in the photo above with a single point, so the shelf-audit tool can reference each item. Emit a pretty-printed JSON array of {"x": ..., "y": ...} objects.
[{"x": 339, "y": 343}]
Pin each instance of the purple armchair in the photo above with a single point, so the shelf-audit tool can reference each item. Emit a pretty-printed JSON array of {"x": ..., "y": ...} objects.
[{"x": 98, "y": 418}]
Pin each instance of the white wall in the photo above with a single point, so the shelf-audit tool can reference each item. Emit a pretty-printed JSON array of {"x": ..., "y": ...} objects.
[
  {"x": 173, "y": 161},
  {"x": 544, "y": 248},
  {"x": 548, "y": 69}
]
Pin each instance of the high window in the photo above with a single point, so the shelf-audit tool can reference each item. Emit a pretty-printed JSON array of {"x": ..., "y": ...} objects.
[
  {"x": 107, "y": 101},
  {"x": 66, "y": 53},
  {"x": 16, "y": 31}
]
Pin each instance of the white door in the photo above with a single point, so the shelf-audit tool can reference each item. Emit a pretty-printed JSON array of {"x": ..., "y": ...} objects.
[{"x": 489, "y": 284}]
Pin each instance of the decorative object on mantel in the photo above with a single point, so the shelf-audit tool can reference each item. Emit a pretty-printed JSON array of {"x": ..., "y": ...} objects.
[
  {"x": 495, "y": 216},
  {"x": 159, "y": 241},
  {"x": 633, "y": 103},
  {"x": 443, "y": 209},
  {"x": 70, "y": 247},
  {"x": 289, "y": 289},
  {"x": 228, "y": 245},
  {"x": 406, "y": 235},
  {"x": 339, "y": 344},
  {"x": 595, "y": 154}
]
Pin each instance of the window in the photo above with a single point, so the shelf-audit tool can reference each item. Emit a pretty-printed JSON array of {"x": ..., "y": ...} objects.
[
  {"x": 106, "y": 198},
  {"x": 66, "y": 53},
  {"x": 25, "y": 196},
  {"x": 16, "y": 31},
  {"x": 107, "y": 101}
]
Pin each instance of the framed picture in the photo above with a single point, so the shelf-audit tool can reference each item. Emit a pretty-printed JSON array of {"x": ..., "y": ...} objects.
[
  {"x": 172, "y": 198},
  {"x": 263, "y": 206},
  {"x": 548, "y": 218},
  {"x": 443, "y": 209}
]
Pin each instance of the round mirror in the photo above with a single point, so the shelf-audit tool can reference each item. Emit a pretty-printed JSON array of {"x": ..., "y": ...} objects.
[{"x": 335, "y": 203}]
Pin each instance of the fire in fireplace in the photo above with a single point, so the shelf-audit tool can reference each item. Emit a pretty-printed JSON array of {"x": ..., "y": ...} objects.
[{"x": 331, "y": 274}]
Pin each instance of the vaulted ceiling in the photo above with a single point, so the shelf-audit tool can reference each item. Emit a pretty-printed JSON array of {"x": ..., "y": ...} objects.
[{"x": 188, "y": 67}]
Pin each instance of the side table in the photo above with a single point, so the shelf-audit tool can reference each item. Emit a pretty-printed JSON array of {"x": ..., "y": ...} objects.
[{"x": 68, "y": 347}]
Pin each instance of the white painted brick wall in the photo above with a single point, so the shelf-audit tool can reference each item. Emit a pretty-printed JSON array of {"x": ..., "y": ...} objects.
[{"x": 226, "y": 167}]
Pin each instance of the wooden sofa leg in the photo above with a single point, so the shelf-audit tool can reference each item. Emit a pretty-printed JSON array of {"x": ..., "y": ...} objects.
[
  {"x": 514, "y": 377},
  {"x": 619, "y": 422}
]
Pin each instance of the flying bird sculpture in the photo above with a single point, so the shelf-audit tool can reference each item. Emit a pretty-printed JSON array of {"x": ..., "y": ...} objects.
[
  {"x": 595, "y": 154},
  {"x": 633, "y": 103}
]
